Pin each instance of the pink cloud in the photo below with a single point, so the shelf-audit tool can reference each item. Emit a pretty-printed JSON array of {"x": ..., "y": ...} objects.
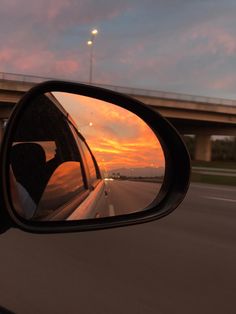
[
  {"x": 35, "y": 60},
  {"x": 224, "y": 82},
  {"x": 56, "y": 8},
  {"x": 39, "y": 61},
  {"x": 66, "y": 66},
  {"x": 209, "y": 38},
  {"x": 64, "y": 13},
  {"x": 6, "y": 54},
  {"x": 117, "y": 137}
]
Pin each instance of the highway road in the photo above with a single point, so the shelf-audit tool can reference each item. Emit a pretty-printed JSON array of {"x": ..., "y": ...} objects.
[
  {"x": 130, "y": 196},
  {"x": 184, "y": 263}
]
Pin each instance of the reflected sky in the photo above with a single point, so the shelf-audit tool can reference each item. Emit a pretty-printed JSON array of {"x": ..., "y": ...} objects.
[
  {"x": 117, "y": 137},
  {"x": 65, "y": 182}
]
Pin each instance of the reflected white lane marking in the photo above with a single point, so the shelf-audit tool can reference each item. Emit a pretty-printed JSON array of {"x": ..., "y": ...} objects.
[
  {"x": 111, "y": 210},
  {"x": 220, "y": 199}
]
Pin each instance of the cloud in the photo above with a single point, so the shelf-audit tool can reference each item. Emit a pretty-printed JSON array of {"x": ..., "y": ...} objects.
[
  {"x": 225, "y": 82},
  {"x": 35, "y": 40},
  {"x": 173, "y": 45},
  {"x": 59, "y": 13},
  {"x": 211, "y": 39},
  {"x": 43, "y": 62},
  {"x": 118, "y": 138}
]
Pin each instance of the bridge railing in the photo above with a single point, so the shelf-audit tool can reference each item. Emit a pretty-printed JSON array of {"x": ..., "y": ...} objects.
[
  {"x": 126, "y": 90},
  {"x": 22, "y": 78}
]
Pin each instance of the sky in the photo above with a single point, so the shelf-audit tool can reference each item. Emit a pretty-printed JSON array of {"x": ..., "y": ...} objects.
[
  {"x": 185, "y": 46},
  {"x": 118, "y": 138}
]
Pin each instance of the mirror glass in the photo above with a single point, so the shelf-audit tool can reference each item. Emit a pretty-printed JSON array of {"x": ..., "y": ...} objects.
[{"x": 75, "y": 157}]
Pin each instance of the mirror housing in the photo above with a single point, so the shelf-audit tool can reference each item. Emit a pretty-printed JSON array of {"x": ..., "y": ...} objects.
[{"x": 177, "y": 163}]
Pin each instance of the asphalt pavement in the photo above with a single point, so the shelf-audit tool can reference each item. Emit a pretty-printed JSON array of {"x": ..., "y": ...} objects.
[
  {"x": 126, "y": 196},
  {"x": 183, "y": 263}
]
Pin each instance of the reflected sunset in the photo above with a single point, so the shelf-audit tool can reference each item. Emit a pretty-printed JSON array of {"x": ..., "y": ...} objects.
[{"x": 117, "y": 137}]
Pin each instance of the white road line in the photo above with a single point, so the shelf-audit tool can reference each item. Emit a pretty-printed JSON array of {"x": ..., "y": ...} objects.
[
  {"x": 216, "y": 173},
  {"x": 111, "y": 210},
  {"x": 220, "y": 199},
  {"x": 214, "y": 169},
  {"x": 205, "y": 186}
]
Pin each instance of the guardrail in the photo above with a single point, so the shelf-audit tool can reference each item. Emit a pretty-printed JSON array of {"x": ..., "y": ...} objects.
[
  {"x": 214, "y": 171},
  {"x": 126, "y": 90}
]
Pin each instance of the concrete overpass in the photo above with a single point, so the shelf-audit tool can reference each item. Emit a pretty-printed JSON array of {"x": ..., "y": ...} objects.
[
  {"x": 197, "y": 115},
  {"x": 200, "y": 119}
]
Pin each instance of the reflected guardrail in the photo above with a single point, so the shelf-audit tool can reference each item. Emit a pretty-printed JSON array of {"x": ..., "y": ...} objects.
[{"x": 126, "y": 90}]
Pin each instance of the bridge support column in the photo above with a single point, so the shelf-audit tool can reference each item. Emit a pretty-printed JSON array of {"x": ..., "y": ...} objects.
[{"x": 203, "y": 147}]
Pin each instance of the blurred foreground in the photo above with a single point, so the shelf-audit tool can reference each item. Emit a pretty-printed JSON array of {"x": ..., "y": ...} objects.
[{"x": 184, "y": 263}]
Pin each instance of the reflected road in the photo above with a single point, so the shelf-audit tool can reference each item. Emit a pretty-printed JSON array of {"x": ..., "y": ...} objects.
[{"x": 129, "y": 196}]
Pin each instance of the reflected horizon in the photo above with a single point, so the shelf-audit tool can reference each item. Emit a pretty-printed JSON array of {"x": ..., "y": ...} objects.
[{"x": 118, "y": 138}]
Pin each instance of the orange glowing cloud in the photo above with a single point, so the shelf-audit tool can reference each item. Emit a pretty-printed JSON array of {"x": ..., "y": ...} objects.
[{"x": 117, "y": 137}]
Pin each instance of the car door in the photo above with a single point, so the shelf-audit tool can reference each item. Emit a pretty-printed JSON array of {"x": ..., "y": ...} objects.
[{"x": 96, "y": 204}]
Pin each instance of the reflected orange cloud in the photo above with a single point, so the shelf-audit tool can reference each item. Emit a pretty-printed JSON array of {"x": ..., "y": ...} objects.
[{"x": 118, "y": 138}]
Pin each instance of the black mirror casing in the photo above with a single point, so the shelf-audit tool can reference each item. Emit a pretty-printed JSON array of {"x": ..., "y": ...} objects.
[{"x": 176, "y": 179}]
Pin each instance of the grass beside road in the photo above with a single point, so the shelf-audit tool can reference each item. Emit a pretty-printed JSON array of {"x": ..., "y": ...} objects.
[
  {"x": 213, "y": 178},
  {"x": 215, "y": 164}
]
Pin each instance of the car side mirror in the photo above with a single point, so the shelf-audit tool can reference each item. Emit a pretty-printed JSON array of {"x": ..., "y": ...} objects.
[{"x": 76, "y": 157}]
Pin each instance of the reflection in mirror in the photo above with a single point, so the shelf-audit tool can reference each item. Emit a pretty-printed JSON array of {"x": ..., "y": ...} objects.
[{"x": 76, "y": 157}]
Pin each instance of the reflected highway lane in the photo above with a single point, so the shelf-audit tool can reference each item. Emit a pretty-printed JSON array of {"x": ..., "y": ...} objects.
[
  {"x": 183, "y": 263},
  {"x": 129, "y": 196}
]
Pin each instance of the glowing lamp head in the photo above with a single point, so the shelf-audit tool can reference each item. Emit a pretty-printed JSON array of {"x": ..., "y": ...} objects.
[{"x": 94, "y": 32}]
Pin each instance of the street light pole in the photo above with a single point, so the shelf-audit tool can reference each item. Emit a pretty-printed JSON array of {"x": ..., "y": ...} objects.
[{"x": 90, "y": 43}]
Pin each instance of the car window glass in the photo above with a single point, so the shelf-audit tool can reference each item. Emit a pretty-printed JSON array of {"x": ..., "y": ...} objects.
[
  {"x": 90, "y": 163},
  {"x": 93, "y": 172},
  {"x": 66, "y": 184},
  {"x": 39, "y": 149}
]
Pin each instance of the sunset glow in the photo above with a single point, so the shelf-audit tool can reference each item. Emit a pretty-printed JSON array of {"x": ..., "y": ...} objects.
[
  {"x": 177, "y": 46},
  {"x": 117, "y": 137}
]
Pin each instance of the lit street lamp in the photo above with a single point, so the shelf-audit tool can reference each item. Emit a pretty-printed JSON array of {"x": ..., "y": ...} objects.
[
  {"x": 85, "y": 126},
  {"x": 90, "y": 43}
]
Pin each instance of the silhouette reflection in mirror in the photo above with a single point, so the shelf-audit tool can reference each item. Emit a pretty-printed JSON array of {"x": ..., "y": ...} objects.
[{"x": 76, "y": 157}]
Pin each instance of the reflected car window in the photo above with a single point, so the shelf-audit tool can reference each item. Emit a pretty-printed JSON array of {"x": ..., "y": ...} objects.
[
  {"x": 93, "y": 171},
  {"x": 65, "y": 185},
  {"x": 40, "y": 152},
  {"x": 90, "y": 163}
]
